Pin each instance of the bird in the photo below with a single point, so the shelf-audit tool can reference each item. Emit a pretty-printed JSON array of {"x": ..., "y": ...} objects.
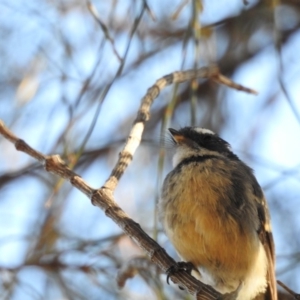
[{"x": 215, "y": 214}]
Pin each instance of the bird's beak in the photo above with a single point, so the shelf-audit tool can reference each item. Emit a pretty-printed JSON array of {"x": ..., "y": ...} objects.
[{"x": 178, "y": 138}]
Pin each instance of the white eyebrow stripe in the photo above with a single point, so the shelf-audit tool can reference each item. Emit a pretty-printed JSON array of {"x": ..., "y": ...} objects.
[{"x": 203, "y": 130}]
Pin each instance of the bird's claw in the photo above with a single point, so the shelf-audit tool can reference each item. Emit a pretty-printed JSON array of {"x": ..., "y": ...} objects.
[{"x": 180, "y": 266}]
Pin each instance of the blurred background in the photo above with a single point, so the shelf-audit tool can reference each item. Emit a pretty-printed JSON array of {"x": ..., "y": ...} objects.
[{"x": 71, "y": 79}]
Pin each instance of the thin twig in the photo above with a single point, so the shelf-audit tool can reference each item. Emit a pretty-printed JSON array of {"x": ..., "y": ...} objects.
[
  {"x": 149, "y": 11},
  {"x": 278, "y": 46},
  {"x": 296, "y": 296},
  {"x": 132, "y": 267},
  {"x": 118, "y": 73},
  {"x": 92, "y": 9}
]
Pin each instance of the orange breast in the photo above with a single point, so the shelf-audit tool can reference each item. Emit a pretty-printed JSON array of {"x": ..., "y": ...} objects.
[{"x": 203, "y": 232}]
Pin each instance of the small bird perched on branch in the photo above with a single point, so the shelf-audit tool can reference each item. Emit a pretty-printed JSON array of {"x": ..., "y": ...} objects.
[{"x": 215, "y": 214}]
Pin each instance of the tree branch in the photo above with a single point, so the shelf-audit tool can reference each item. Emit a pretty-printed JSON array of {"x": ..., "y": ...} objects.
[{"x": 103, "y": 197}]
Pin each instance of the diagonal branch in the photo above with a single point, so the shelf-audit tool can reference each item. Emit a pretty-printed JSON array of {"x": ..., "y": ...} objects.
[{"x": 103, "y": 197}]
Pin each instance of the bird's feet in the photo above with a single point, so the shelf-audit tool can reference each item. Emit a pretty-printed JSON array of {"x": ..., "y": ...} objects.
[{"x": 180, "y": 266}]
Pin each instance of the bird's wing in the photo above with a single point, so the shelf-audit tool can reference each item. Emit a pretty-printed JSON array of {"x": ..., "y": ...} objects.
[{"x": 266, "y": 238}]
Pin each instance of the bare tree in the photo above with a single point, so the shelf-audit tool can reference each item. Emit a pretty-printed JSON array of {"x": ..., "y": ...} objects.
[{"x": 73, "y": 74}]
